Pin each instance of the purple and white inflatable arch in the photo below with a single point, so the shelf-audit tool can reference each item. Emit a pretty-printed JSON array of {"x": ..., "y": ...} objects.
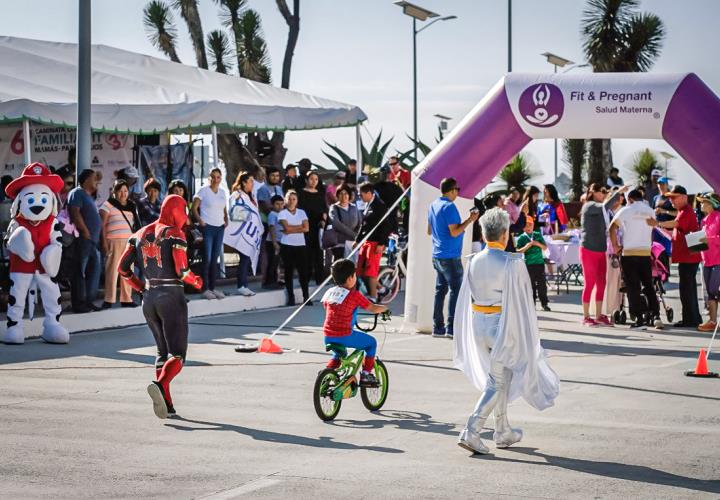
[{"x": 680, "y": 109}]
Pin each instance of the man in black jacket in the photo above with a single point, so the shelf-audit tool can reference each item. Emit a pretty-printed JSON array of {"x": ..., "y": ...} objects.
[
  {"x": 371, "y": 251},
  {"x": 389, "y": 192}
]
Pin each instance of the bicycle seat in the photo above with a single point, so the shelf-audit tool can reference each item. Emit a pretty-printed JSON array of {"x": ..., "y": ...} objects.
[{"x": 338, "y": 349}]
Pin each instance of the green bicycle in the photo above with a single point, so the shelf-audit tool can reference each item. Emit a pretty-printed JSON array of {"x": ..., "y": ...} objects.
[{"x": 334, "y": 385}]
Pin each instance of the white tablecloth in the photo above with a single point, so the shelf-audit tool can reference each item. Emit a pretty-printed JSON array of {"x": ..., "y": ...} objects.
[{"x": 563, "y": 253}]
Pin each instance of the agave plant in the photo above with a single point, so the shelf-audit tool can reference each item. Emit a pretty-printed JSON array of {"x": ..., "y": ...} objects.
[
  {"x": 372, "y": 158},
  {"x": 643, "y": 164},
  {"x": 518, "y": 172}
]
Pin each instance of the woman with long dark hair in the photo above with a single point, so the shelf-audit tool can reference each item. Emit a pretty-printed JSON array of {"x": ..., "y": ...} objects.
[
  {"x": 312, "y": 202},
  {"x": 552, "y": 211},
  {"x": 242, "y": 206},
  {"x": 529, "y": 204},
  {"x": 119, "y": 221},
  {"x": 594, "y": 222}
]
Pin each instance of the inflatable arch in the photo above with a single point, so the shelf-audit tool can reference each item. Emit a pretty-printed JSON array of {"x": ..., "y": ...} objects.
[{"x": 680, "y": 109}]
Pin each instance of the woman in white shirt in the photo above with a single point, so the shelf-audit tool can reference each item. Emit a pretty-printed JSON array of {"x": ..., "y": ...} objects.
[
  {"x": 293, "y": 251},
  {"x": 209, "y": 209}
]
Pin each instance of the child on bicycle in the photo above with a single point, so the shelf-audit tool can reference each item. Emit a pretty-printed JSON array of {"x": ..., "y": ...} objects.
[{"x": 341, "y": 303}]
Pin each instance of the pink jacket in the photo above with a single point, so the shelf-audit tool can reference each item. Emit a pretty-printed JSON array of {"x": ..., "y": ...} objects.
[
  {"x": 512, "y": 209},
  {"x": 711, "y": 223}
]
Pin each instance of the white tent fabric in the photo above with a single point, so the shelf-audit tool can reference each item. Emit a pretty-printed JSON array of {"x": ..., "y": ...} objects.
[{"x": 135, "y": 93}]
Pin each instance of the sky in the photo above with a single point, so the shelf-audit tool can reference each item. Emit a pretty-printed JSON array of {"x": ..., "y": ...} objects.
[{"x": 360, "y": 52}]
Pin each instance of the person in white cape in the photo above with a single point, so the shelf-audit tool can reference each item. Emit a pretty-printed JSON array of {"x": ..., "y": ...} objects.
[{"x": 496, "y": 341}]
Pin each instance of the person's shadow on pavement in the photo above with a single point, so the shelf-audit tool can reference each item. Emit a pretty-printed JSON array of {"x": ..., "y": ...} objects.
[
  {"x": 274, "y": 437},
  {"x": 629, "y": 472},
  {"x": 404, "y": 420}
]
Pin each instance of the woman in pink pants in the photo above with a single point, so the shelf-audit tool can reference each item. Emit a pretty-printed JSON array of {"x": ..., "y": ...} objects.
[{"x": 594, "y": 220}]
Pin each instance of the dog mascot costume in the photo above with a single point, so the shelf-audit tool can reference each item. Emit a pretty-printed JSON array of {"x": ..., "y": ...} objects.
[
  {"x": 497, "y": 343},
  {"x": 160, "y": 250},
  {"x": 33, "y": 240}
]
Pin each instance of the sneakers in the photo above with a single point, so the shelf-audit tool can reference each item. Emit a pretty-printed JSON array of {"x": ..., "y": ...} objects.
[
  {"x": 708, "y": 326},
  {"x": 659, "y": 325},
  {"x": 546, "y": 308},
  {"x": 368, "y": 379},
  {"x": 156, "y": 393},
  {"x": 639, "y": 323},
  {"x": 588, "y": 321},
  {"x": 209, "y": 295},
  {"x": 245, "y": 291},
  {"x": 438, "y": 334},
  {"x": 218, "y": 294},
  {"x": 471, "y": 441},
  {"x": 603, "y": 320}
]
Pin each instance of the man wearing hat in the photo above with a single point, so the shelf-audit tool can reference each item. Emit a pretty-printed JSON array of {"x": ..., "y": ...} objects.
[
  {"x": 651, "y": 188},
  {"x": 33, "y": 240},
  {"x": 685, "y": 222}
]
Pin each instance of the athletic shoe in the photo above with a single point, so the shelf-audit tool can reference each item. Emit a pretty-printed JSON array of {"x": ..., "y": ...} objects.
[
  {"x": 449, "y": 335},
  {"x": 128, "y": 304},
  {"x": 438, "y": 334},
  {"x": 367, "y": 379},
  {"x": 209, "y": 295},
  {"x": 245, "y": 291},
  {"x": 639, "y": 323},
  {"x": 659, "y": 325},
  {"x": 218, "y": 294},
  {"x": 588, "y": 321},
  {"x": 171, "y": 410},
  {"x": 708, "y": 326},
  {"x": 157, "y": 395},
  {"x": 546, "y": 308},
  {"x": 603, "y": 321}
]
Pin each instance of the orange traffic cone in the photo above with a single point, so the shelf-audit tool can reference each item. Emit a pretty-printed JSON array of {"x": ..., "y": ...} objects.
[
  {"x": 701, "y": 368},
  {"x": 269, "y": 347}
]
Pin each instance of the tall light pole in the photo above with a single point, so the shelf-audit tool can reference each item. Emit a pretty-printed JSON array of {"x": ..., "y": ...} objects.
[
  {"x": 84, "y": 133},
  {"x": 509, "y": 36},
  {"x": 557, "y": 62},
  {"x": 418, "y": 14}
]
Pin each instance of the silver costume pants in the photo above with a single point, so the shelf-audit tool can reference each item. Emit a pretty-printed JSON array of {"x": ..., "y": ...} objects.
[{"x": 497, "y": 389}]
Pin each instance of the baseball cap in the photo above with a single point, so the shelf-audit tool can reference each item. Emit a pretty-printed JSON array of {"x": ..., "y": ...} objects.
[
  {"x": 663, "y": 180},
  {"x": 340, "y": 175},
  {"x": 131, "y": 172},
  {"x": 677, "y": 191},
  {"x": 656, "y": 173}
]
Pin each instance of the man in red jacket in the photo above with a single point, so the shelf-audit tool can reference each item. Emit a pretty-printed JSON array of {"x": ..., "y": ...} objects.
[
  {"x": 685, "y": 222},
  {"x": 160, "y": 250}
]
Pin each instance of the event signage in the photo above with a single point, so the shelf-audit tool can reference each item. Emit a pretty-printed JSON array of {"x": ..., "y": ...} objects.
[{"x": 606, "y": 105}]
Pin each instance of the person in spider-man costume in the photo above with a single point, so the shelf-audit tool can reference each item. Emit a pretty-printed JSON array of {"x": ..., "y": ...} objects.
[{"x": 160, "y": 250}]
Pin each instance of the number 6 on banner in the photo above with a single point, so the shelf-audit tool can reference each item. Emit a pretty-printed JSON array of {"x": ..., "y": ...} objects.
[{"x": 17, "y": 145}]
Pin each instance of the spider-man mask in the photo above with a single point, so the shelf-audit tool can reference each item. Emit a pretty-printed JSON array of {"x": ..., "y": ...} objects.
[{"x": 173, "y": 211}]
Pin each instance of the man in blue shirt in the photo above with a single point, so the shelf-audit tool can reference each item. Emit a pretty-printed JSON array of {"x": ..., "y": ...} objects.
[
  {"x": 84, "y": 214},
  {"x": 447, "y": 228}
]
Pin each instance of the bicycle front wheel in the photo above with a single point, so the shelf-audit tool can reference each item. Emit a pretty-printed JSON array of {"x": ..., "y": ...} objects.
[
  {"x": 374, "y": 397},
  {"x": 388, "y": 285},
  {"x": 325, "y": 406}
]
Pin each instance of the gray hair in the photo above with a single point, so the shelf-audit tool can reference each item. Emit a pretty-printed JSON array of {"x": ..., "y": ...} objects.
[{"x": 495, "y": 223}]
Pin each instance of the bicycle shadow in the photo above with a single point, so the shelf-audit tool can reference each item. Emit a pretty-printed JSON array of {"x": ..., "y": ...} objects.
[
  {"x": 615, "y": 470},
  {"x": 274, "y": 437},
  {"x": 403, "y": 420}
]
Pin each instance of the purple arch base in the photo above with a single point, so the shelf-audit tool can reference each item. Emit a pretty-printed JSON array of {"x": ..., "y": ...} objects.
[{"x": 483, "y": 146}]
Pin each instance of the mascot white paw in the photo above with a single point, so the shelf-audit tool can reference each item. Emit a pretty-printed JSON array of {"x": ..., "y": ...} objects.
[{"x": 34, "y": 246}]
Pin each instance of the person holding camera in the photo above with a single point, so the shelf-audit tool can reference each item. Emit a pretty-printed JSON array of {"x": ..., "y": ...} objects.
[{"x": 447, "y": 228}]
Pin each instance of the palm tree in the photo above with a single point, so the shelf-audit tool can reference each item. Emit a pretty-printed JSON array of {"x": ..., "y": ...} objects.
[
  {"x": 159, "y": 25},
  {"x": 575, "y": 153},
  {"x": 617, "y": 38},
  {"x": 219, "y": 48},
  {"x": 643, "y": 164},
  {"x": 189, "y": 12},
  {"x": 518, "y": 172},
  {"x": 253, "y": 59}
]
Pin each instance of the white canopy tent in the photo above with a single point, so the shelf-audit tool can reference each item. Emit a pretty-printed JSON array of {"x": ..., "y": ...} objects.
[{"x": 138, "y": 94}]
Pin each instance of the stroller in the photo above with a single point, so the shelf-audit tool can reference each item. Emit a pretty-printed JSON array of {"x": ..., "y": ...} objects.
[{"x": 660, "y": 276}]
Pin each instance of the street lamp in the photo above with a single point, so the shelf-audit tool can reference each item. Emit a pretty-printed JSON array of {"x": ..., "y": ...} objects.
[
  {"x": 443, "y": 122},
  {"x": 557, "y": 62},
  {"x": 418, "y": 14},
  {"x": 668, "y": 157}
]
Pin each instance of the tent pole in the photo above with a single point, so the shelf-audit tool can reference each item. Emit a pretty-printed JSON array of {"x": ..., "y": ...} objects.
[
  {"x": 84, "y": 134},
  {"x": 26, "y": 141},
  {"x": 358, "y": 146},
  {"x": 215, "y": 145}
]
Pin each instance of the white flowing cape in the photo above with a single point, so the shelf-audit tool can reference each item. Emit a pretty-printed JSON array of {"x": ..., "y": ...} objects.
[{"x": 517, "y": 345}]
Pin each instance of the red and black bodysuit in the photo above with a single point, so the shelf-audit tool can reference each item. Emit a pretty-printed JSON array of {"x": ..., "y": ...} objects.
[{"x": 160, "y": 250}]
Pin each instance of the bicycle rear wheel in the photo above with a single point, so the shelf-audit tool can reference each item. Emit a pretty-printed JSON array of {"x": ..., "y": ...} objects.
[
  {"x": 388, "y": 285},
  {"x": 374, "y": 397},
  {"x": 325, "y": 406}
]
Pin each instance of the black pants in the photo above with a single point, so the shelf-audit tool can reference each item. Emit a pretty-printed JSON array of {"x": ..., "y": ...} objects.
[
  {"x": 316, "y": 255},
  {"x": 295, "y": 258},
  {"x": 338, "y": 253},
  {"x": 688, "y": 294},
  {"x": 166, "y": 312},
  {"x": 637, "y": 274},
  {"x": 271, "y": 264},
  {"x": 539, "y": 285}
]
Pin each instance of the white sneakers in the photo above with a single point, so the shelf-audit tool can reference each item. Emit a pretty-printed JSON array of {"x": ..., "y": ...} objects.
[
  {"x": 207, "y": 294},
  {"x": 218, "y": 294},
  {"x": 245, "y": 291}
]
